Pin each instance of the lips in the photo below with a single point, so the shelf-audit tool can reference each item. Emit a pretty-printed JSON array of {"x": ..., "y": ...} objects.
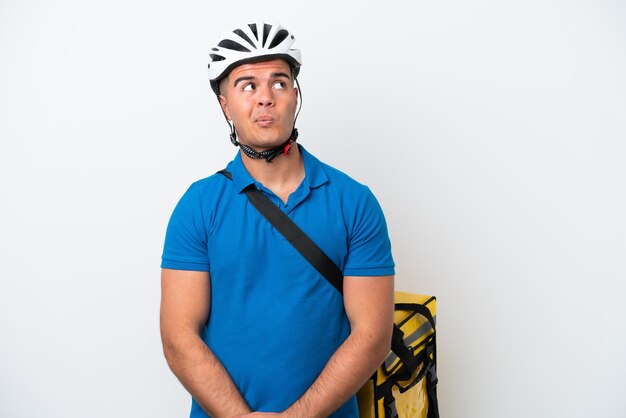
[{"x": 264, "y": 120}]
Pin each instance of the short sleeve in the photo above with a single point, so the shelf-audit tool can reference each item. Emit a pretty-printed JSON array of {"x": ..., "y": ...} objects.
[
  {"x": 185, "y": 245},
  {"x": 369, "y": 251}
]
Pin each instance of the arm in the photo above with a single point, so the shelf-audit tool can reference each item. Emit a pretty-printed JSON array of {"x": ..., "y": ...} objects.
[
  {"x": 185, "y": 305},
  {"x": 369, "y": 305}
]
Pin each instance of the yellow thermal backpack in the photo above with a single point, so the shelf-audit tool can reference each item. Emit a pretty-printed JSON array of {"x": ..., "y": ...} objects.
[{"x": 404, "y": 385}]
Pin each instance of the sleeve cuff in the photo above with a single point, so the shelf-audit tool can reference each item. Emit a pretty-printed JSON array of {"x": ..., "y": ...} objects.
[
  {"x": 370, "y": 271},
  {"x": 184, "y": 265}
]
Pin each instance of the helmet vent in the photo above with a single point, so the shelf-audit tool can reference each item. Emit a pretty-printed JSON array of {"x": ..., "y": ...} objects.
[
  {"x": 243, "y": 35},
  {"x": 228, "y": 44},
  {"x": 266, "y": 32},
  {"x": 253, "y": 29},
  {"x": 280, "y": 36},
  {"x": 216, "y": 57}
]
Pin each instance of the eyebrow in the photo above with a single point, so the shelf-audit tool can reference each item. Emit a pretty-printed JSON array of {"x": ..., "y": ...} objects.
[
  {"x": 248, "y": 78},
  {"x": 279, "y": 74}
]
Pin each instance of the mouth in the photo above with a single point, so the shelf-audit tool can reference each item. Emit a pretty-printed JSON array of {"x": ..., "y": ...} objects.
[{"x": 264, "y": 120}]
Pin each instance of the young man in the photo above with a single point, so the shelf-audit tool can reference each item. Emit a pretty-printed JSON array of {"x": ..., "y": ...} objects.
[{"x": 249, "y": 326}]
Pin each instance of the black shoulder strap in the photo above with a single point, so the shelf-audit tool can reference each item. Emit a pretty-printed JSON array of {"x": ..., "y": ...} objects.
[{"x": 292, "y": 233}]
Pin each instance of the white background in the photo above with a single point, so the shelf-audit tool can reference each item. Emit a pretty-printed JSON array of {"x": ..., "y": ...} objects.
[{"x": 492, "y": 133}]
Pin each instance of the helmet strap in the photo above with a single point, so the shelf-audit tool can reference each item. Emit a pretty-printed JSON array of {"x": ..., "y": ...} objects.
[{"x": 270, "y": 154}]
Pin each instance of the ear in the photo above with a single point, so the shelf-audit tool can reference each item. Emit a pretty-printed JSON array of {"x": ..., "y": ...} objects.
[{"x": 224, "y": 105}]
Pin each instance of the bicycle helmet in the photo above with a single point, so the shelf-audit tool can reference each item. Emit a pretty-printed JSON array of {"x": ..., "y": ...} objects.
[{"x": 252, "y": 43}]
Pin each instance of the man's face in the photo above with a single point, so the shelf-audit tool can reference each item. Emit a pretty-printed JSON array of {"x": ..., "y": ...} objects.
[{"x": 261, "y": 100}]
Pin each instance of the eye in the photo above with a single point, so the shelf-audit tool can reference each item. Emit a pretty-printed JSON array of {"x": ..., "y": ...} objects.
[
  {"x": 280, "y": 85},
  {"x": 248, "y": 87}
]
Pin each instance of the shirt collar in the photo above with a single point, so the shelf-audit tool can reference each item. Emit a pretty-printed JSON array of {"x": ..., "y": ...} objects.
[
  {"x": 313, "y": 168},
  {"x": 241, "y": 177},
  {"x": 315, "y": 175}
]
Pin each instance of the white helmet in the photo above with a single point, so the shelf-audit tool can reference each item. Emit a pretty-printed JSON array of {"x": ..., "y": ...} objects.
[{"x": 252, "y": 43}]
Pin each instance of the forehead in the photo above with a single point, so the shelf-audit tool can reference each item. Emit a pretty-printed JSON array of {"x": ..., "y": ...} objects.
[{"x": 258, "y": 69}]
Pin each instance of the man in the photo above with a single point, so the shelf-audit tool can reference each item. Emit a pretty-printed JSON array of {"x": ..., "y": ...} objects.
[{"x": 249, "y": 327}]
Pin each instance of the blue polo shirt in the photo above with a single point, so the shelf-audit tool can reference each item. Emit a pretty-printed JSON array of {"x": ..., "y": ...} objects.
[{"x": 274, "y": 320}]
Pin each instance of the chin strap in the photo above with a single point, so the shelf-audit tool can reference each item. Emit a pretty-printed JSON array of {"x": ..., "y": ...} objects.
[
  {"x": 267, "y": 155},
  {"x": 270, "y": 154}
]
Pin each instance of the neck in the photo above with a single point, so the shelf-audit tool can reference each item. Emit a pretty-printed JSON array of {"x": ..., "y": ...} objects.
[{"x": 282, "y": 176}]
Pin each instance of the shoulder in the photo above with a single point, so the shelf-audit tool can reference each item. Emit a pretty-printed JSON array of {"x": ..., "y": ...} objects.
[
  {"x": 356, "y": 203},
  {"x": 319, "y": 173},
  {"x": 208, "y": 187},
  {"x": 203, "y": 195},
  {"x": 340, "y": 177},
  {"x": 209, "y": 184},
  {"x": 349, "y": 188}
]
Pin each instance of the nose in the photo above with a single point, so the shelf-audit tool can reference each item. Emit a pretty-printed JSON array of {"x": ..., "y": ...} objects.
[{"x": 265, "y": 96}]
